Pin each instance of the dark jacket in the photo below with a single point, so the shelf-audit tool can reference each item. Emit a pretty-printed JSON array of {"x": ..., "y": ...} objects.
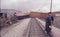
[{"x": 49, "y": 20}]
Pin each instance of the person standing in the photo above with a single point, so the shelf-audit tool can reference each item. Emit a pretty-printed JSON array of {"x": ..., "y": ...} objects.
[{"x": 49, "y": 21}]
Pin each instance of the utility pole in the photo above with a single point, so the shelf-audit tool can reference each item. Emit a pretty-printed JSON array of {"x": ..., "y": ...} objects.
[{"x": 51, "y": 6}]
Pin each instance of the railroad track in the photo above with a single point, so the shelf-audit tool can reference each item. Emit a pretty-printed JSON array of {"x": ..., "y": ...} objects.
[{"x": 34, "y": 29}]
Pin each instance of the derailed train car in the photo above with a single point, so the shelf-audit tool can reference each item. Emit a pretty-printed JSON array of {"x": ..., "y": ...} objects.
[
  {"x": 22, "y": 16},
  {"x": 40, "y": 14}
]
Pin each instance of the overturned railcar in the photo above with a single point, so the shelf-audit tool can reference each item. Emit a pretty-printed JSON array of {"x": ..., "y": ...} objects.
[
  {"x": 40, "y": 14},
  {"x": 22, "y": 16}
]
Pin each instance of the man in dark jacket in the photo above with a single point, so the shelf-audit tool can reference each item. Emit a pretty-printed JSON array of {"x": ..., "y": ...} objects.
[{"x": 49, "y": 21}]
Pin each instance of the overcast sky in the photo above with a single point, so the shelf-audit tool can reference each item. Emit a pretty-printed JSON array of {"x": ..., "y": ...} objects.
[{"x": 30, "y": 5}]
